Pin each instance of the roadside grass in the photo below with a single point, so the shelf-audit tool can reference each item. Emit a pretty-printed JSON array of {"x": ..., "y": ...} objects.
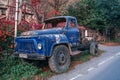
[
  {"x": 83, "y": 57},
  {"x": 117, "y": 40},
  {"x": 15, "y": 69},
  {"x": 79, "y": 59}
]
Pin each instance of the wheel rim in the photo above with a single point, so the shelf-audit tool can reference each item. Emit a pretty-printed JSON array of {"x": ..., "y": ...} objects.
[{"x": 61, "y": 58}]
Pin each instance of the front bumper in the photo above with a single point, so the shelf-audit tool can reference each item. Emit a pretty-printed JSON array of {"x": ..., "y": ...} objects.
[{"x": 31, "y": 56}]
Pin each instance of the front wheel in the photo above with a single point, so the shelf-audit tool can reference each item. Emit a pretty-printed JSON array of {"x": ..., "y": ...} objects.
[
  {"x": 94, "y": 48},
  {"x": 60, "y": 60}
]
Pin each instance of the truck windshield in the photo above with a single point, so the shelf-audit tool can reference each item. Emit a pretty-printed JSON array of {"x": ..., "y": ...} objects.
[{"x": 55, "y": 23}]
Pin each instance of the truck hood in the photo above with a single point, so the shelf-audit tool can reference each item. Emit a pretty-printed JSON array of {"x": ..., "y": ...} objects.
[
  {"x": 50, "y": 31},
  {"x": 43, "y": 32}
]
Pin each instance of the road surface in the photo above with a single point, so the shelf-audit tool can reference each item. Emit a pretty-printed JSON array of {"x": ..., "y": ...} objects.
[{"x": 104, "y": 67}]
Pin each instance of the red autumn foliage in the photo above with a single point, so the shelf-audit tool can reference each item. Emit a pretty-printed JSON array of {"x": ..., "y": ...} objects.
[
  {"x": 53, "y": 13},
  {"x": 7, "y": 31},
  {"x": 1, "y": 32},
  {"x": 35, "y": 2},
  {"x": 40, "y": 9},
  {"x": 56, "y": 5}
]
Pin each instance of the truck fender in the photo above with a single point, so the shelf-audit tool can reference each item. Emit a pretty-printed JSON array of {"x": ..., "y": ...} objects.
[{"x": 61, "y": 40}]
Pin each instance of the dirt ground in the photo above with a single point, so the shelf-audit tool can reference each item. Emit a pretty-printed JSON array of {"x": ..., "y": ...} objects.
[{"x": 111, "y": 44}]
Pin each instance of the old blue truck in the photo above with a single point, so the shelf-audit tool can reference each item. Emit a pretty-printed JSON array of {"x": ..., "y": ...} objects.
[{"x": 59, "y": 39}]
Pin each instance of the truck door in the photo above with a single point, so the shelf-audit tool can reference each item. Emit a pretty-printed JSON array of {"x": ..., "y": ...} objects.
[{"x": 73, "y": 33}]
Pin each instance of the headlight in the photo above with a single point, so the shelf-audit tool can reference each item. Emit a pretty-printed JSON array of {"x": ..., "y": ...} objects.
[{"x": 39, "y": 46}]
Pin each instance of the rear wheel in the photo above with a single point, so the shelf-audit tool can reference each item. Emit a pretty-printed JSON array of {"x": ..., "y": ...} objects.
[
  {"x": 94, "y": 48},
  {"x": 60, "y": 60}
]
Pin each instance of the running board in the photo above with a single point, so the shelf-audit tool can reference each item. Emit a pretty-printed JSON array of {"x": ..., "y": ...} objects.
[{"x": 75, "y": 53}]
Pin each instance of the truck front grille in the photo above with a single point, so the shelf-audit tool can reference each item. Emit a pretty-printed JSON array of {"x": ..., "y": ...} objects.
[{"x": 26, "y": 47}]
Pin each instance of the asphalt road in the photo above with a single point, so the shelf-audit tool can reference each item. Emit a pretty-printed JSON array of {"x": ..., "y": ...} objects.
[
  {"x": 104, "y": 67},
  {"x": 109, "y": 71}
]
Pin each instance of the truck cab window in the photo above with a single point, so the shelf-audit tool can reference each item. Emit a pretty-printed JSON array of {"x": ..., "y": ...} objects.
[{"x": 72, "y": 23}]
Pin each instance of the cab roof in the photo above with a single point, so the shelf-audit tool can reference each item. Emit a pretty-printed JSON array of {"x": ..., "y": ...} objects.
[{"x": 60, "y": 17}]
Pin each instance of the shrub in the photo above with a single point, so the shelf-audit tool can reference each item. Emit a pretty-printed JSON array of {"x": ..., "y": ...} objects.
[{"x": 14, "y": 69}]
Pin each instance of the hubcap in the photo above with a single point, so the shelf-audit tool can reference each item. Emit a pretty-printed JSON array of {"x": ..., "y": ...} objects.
[{"x": 61, "y": 58}]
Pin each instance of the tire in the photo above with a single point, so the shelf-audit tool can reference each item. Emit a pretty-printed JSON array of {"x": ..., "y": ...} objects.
[
  {"x": 60, "y": 60},
  {"x": 94, "y": 48}
]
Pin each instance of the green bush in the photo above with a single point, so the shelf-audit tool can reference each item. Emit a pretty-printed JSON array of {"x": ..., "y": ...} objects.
[
  {"x": 117, "y": 40},
  {"x": 23, "y": 71},
  {"x": 100, "y": 15},
  {"x": 14, "y": 69}
]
